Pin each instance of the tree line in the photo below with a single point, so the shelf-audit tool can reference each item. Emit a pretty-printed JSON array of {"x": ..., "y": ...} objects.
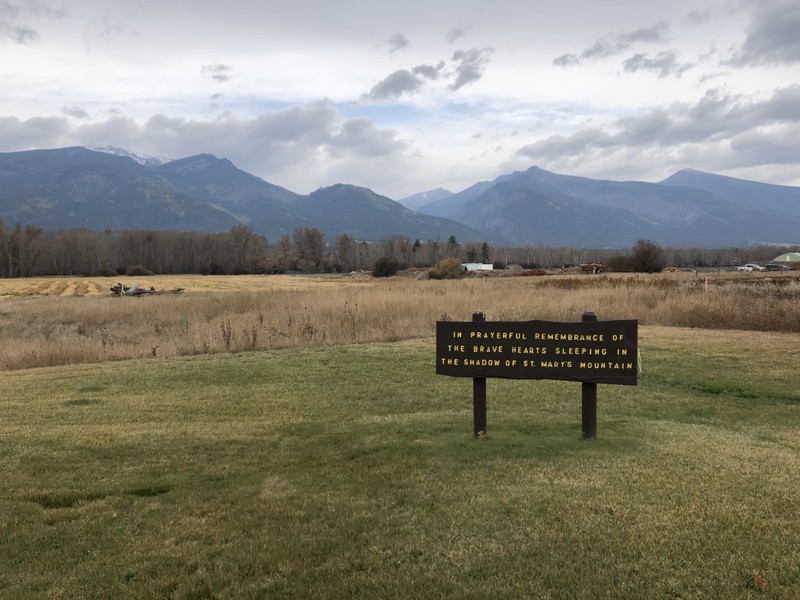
[{"x": 26, "y": 251}]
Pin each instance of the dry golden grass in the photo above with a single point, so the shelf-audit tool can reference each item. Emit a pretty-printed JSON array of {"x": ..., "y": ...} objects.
[
  {"x": 63, "y": 321},
  {"x": 99, "y": 286}
]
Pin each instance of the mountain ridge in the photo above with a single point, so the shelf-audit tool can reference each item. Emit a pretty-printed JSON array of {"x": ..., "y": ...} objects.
[
  {"x": 79, "y": 187},
  {"x": 674, "y": 214}
]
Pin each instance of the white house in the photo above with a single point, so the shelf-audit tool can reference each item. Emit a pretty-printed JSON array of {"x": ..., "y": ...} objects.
[{"x": 477, "y": 266}]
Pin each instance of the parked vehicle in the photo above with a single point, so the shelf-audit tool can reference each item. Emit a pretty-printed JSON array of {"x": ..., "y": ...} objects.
[
  {"x": 777, "y": 267},
  {"x": 750, "y": 267}
]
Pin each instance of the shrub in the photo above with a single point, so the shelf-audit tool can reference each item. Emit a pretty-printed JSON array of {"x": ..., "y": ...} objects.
[
  {"x": 648, "y": 257},
  {"x": 448, "y": 268},
  {"x": 270, "y": 266},
  {"x": 621, "y": 263},
  {"x": 212, "y": 269},
  {"x": 304, "y": 265},
  {"x": 386, "y": 266},
  {"x": 138, "y": 271}
]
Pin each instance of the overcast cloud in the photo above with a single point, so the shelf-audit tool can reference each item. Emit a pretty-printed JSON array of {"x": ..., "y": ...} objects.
[{"x": 405, "y": 97}]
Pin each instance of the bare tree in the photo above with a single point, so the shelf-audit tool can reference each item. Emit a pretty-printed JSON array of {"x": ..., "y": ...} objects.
[
  {"x": 345, "y": 252},
  {"x": 23, "y": 250},
  {"x": 246, "y": 246},
  {"x": 4, "y": 258},
  {"x": 310, "y": 246},
  {"x": 286, "y": 253}
]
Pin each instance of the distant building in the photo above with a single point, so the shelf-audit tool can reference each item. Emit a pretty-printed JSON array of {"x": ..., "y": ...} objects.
[{"x": 477, "y": 266}]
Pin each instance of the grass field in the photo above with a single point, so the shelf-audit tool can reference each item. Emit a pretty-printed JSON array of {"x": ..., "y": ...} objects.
[{"x": 351, "y": 471}]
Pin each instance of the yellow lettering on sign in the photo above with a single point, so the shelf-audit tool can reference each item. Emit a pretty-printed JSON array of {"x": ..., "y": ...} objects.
[
  {"x": 486, "y": 349},
  {"x": 528, "y": 350},
  {"x": 555, "y": 364},
  {"x": 569, "y": 337},
  {"x": 498, "y": 335},
  {"x": 481, "y": 362},
  {"x": 605, "y": 365},
  {"x": 583, "y": 351}
]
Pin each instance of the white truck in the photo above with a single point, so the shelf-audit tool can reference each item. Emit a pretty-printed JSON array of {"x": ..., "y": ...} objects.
[{"x": 750, "y": 267}]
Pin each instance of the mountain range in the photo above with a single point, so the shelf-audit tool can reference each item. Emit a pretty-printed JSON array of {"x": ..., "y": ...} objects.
[
  {"x": 689, "y": 208},
  {"x": 109, "y": 188}
]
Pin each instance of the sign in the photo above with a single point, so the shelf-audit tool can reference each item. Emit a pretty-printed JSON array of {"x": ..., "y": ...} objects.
[{"x": 589, "y": 352}]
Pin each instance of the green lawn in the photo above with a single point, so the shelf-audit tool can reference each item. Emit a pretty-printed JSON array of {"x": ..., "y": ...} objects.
[{"x": 352, "y": 472}]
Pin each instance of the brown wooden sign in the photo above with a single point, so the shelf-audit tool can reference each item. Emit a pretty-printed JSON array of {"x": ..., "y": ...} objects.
[{"x": 589, "y": 352}]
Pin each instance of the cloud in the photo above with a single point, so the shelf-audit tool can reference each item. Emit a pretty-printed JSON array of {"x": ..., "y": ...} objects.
[
  {"x": 10, "y": 27},
  {"x": 11, "y": 14},
  {"x": 75, "y": 111},
  {"x": 654, "y": 33},
  {"x": 218, "y": 72},
  {"x": 470, "y": 66},
  {"x": 429, "y": 71},
  {"x": 772, "y": 37},
  {"x": 664, "y": 63},
  {"x": 775, "y": 145},
  {"x": 362, "y": 138},
  {"x": 725, "y": 123},
  {"x": 784, "y": 105},
  {"x": 565, "y": 146},
  {"x": 566, "y": 60},
  {"x": 300, "y": 147},
  {"x": 392, "y": 87},
  {"x": 364, "y": 154},
  {"x": 114, "y": 131},
  {"x": 455, "y": 34},
  {"x": 613, "y": 44},
  {"x": 38, "y": 132},
  {"x": 397, "y": 42},
  {"x": 19, "y": 34}
]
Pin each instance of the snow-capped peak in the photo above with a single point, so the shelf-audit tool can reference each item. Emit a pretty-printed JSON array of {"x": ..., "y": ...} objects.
[{"x": 142, "y": 159}]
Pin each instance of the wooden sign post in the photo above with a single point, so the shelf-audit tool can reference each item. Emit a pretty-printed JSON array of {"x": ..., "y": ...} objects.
[
  {"x": 479, "y": 392},
  {"x": 590, "y": 352},
  {"x": 589, "y": 395}
]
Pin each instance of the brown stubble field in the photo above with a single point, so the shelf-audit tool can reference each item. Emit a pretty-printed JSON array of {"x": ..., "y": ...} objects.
[
  {"x": 99, "y": 286},
  {"x": 55, "y": 321}
]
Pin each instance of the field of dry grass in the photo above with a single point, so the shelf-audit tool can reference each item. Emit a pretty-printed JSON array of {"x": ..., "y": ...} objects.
[
  {"x": 99, "y": 286},
  {"x": 64, "y": 321}
]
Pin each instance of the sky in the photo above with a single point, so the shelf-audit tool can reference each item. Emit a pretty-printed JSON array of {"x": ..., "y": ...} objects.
[{"x": 407, "y": 96}]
